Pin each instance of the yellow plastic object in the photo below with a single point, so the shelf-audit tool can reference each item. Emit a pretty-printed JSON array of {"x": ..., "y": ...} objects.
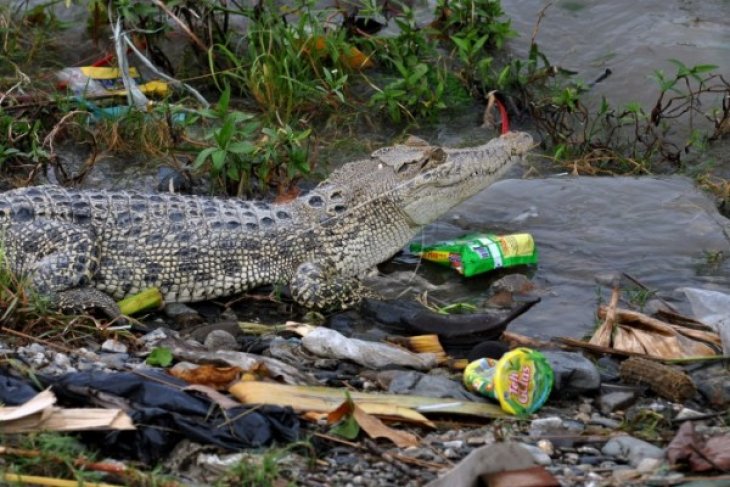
[
  {"x": 106, "y": 72},
  {"x": 521, "y": 380}
]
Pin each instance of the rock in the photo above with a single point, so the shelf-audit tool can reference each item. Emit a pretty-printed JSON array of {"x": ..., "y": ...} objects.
[
  {"x": 573, "y": 372},
  {"x": 713, "y": 382},
  {"x": 538, "y": 455},
  {"x": 113, "y": 346},
  {"x": 631, "y": 449},
  {"x": 117, "y": 361},
  {"x": 419, "y": 384},
  {"x": 220, "y": 340},
  {"x": 649, "y": 465},
  {"x": 546, "y": 446},
  {"x": 542, "y": 426},
  {"x": 605, "y": 422},
  {"x": 608, "y": 369},
  {"x": 687, "y": 413},
  {"x": 453, "y": 444},
  {"x": 183, "y": 315},
  {"x": 612, "y": 401},
  {"x": 664, "y": 480},
  {"x": 171, "y": 180}
]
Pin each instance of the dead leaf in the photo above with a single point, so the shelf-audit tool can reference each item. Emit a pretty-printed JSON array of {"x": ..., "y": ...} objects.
[
  {"x": 377, "y": 429},
  {"x": 702, "y": 456},
  {"x": 371, "y": 425},
  {"x": 208, "y": 375}
]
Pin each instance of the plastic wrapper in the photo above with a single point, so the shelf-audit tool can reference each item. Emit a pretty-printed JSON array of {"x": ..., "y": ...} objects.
[
  {"x": 331, "y": 344},
  {"x": 521, "y": 380},
  {"x": 482, "y": 252}
]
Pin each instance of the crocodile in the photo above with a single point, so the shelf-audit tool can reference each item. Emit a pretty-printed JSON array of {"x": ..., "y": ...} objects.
[{"x": 88, "y": 248}]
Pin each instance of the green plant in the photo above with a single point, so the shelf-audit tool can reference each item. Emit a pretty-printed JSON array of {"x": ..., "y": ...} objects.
[{"x": 242, "y": 151}]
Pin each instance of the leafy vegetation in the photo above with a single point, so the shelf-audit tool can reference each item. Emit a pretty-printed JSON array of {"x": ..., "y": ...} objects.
[{"x": 285, "y": 76}]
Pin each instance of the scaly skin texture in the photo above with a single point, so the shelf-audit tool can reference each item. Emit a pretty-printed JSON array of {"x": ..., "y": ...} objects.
[{"x": 195, "y": 248}]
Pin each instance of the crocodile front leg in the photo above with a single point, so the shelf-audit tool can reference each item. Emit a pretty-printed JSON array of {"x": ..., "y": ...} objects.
[
  {"x": 315, "y": 286},
  {"x": 60, "y": 260}
]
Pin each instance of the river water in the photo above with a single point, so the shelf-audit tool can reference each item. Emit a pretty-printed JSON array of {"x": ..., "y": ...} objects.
[{"x": 662, "y": 231}]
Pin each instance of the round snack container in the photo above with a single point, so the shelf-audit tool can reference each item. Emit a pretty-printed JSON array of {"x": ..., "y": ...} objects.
[{"x": 521, "y": 380}]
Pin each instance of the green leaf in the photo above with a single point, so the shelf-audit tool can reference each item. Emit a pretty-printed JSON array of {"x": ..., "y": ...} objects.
[
  {"x": 347, "y": 428},
  {"x": 160, "y": 356},
  {"x": 224, "y": 100},
  {"x": 203, "y": 155},
  {"x": 219, "y": 159},
  {"x": 242, "y": 148}
]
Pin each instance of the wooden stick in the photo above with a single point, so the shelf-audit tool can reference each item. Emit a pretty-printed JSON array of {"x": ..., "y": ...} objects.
[{"x": 49, "y": 481}]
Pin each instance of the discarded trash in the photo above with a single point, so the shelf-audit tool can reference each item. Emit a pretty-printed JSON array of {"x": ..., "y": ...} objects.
[
  {"x": 666, "y": 381},
  {"x": 164, "y": 413},
  {"x": 41, "y": 414},
  {"x": 521, "y": 380},
  {"x": 325, "y": 399},
  {"x": 98, "y": 81},
  {"x": 145, "y": 300},
  {"x": 630, "y": 331},
  {"x": 713, "y": 309},
  {"x": 478, "y": 253},
  {"x": 326, "y": 342},
  {"x": 486, "y": 460}
]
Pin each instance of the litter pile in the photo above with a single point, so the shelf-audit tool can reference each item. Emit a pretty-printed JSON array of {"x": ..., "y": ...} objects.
[{"x": 415, "y": 405}]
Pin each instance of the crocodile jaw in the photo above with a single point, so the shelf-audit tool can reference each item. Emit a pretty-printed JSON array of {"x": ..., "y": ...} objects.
[{"x": 464, "y": 173}]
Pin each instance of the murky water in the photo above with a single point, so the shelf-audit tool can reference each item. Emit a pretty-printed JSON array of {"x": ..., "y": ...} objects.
[{"x": 661, "y": 231}]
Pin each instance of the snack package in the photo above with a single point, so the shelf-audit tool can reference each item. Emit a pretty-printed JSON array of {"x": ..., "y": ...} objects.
[
  {"x": 482, "y": 252},
  {"x": 521, "y": 380}
]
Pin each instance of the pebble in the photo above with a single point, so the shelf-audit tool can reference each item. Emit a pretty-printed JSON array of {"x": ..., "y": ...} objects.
[
  {"x": 542, "y": 426},
  {"x": 605, "y": 422},
  {"x": 573, "y": 371},
  {"x": 687, "y": 413},
  {"x": 664, "y": 480},
  {"x": 632, "y": 449},
  {"x": 114, "y": 346},
  {"x": 647, "y": 465},
  {"x": 612, "y": 401},
  {"x": 538, "y": 455},
  {"x": 220, "y": 340},
  {"x": 453, "y": 444},
  {"x": 546, "y": 446}
]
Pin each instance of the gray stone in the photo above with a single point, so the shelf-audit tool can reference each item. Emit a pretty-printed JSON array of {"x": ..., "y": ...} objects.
[
  {"x": 542, "y": 426},
  {"x": 113, "y": 346},
  {"x": 608, "y": 369},
  {"x": 116, "y": 361},
  {"x": 573, "y": 372},
  {"x": 538, "y": 455},
  {"x": 605, "y": 422},
  {"x": 420, "y": 384},
  {"x": 631, "y": 449},
  {"x": 649, "y": 465},
  {"x": 612, "y": 401},
  {"x": 220, "y": 340}
]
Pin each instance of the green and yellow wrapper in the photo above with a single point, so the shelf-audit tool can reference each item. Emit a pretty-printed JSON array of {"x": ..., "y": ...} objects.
[{"x": 482, "y": 252}]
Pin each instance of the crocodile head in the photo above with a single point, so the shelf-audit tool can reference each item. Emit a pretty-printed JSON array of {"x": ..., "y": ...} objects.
[
  {"x": 422, "y": 181},
  {"x": 430, "y": 180}
]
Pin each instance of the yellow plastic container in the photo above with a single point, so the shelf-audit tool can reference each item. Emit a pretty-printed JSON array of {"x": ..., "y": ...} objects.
[{"x": 521, "y": 380}]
